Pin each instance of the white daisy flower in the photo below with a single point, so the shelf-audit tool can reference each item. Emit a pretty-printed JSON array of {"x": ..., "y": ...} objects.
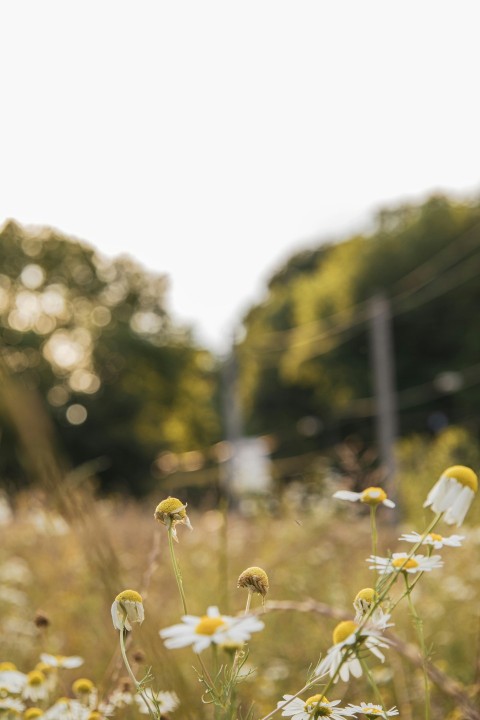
[
  {"x": 118, "y": 700},
  {"x": 36, "y": 687},
  {"x": 86, "y": 692},
  {"x": 61, "y": 661},
  {"x": 370, "y": 496},
  {"x": 212, "y": 628},
  {"x": 437, "y": 541},
  {"x": 453, "y": 493},
  {"x": 314, "y": 707},
  {"x": 127, "y": 608},
  {"x": 163, "y": 701},
  {"x": 12, "y": 681},
  {"x": 342, "y": 659},
  {"x": 363, "y": 603},
  {"x": 401, "y": 561},
  {"x": 66, "y": 709},
  {"x": 11, "y": 705},
  {"x": 373, "y": 711}
]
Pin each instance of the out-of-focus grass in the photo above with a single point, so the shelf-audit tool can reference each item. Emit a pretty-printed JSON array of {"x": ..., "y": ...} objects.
[{"x": 313, "y": 547}]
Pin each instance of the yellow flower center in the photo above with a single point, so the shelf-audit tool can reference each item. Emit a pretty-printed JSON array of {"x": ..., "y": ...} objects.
[
  {"x": 32, "y": 713},
  {"x": 404, "y": 563},
  {"x": 171, "y": 506},
  {"x": 371, "y": 711},
  {"x": 312, "y": 706},
  {"x": 35, "y": 677},
  {"x": 343, "y": 630},
  {"x": 83, "y": 686},
  {"x": 463, "y": 475},
  {"x": 95, "y": 715},
  {"x": 367, "y": 594},
  {"x": 209, "y": 625},
  {"x": 7, "y": 666},
  {"x": 434, "y": 537},
  {"x": 131, "y": 595},
  {"x": 373, "y": 496}
]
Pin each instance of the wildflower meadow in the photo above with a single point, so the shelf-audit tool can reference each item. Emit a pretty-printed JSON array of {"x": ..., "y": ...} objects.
[{"x": 321, "y": 607}]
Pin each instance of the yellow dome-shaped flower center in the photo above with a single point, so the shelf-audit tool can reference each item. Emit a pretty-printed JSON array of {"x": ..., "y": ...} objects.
[
  {"x": 35, "y": 677},
  {"x": 373, "y": 496},
  {"x": 434, "y": 537},
  {"x": 131, "y": 595},
  {"x": 7, "y": 666},
  {"x": 343, "y": 630},
  {"x": 371, "y": 711},
  {"x": 463, "y": 475},
  {"x": 312, "y": 706},
  {"x": 209, "y": 625},
  {"x": 404, "y": 563},
  {"x": 83, "y": 686},
  {"x": 367, "y": 594},
  {"x": 171, "y": 506},
  {"x": 32, "y": 713}
]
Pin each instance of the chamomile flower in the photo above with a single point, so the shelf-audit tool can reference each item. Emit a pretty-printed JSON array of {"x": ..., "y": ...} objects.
[
  {"x": 212, "y": 628},
  {"x": 363, "y": 603},
  {"x": 371, "y": 496},
  {"x": 255, "y": 580},
  {"x": 9, "y": 705},
  {"x": 164, "y": 702},
  {"x": 453, "y": 493},
  {"x": 433, "y": 539},
  {"x": 350, "y": 639},
  {"x": 86, "y": 692},
  {"x": 12, "y": 681},
  {"x": 171, "y": 512},
  {"x": 373, "y": 711},
  {"x": 402, "y": 562},
  {"x": 66, "y": 709},
  {"x": 127, "y": 608},
  {"x": 61, "y": 661},
  {"x": 316, "y": 706},
  {"x": 36, "y": 687}
]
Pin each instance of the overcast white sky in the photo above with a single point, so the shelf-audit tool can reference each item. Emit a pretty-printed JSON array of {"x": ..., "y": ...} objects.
[{"x": 211, "y": 139}]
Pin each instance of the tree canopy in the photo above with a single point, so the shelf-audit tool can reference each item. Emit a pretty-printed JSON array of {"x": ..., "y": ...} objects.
[{"x": 116, "y": 378}]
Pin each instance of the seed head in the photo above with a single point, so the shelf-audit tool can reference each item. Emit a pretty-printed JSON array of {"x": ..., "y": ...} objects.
[{"x": 255, "y": 580}]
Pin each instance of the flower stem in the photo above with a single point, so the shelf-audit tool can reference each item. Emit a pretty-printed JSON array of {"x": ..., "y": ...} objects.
[
  {"x": 138, "y": 686},
  {"x": 418, "y": 624},
  {"x": 176, "y": 569}
]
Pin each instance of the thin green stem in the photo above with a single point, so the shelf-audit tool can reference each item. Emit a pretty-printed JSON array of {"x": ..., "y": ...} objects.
[
  {"x": 137, "y": 685},
  {"x": 372, "y": 682},
  {"x": 176, "y": 569},
  {"x": 418, "y": 624},
  {"x": 373, "y": 527}
]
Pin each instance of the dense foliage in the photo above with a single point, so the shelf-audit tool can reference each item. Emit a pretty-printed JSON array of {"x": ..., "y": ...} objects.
[
  {"x": 305, "y": 358},
  {"x": 92, "y": 362}
]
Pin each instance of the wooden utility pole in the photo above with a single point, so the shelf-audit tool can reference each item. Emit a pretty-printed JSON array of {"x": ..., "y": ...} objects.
[{"x": 384, "y": 388}]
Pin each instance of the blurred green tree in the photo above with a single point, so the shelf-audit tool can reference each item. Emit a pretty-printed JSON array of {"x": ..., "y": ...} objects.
[
  {"x": 305, "y": 353},
  {"x": 91, "y": 336}
]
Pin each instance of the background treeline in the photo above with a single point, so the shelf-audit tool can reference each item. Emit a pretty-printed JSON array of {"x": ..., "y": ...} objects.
[
  {"x": 91, "y": 360},
  {"x": 306, "y": 355}
]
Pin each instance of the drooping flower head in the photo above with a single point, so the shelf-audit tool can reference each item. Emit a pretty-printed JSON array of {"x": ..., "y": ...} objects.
[
  {"x": 127, "y": 608},
  {"x": 171, "y": 512},
  {"x": 365, "y": 599},
  {"x": 453, "y": 494},
  {"x": 255, "y": 580},
  {"x": 212, "y": 628},
  {"x": 372, "y": 496}
]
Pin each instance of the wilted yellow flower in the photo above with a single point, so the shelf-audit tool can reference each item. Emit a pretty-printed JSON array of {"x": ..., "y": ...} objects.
[
  {"x": 255, "y": 580},
  {"x": 171, "y": 512},
  {"x": 127, "y": 608}
]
